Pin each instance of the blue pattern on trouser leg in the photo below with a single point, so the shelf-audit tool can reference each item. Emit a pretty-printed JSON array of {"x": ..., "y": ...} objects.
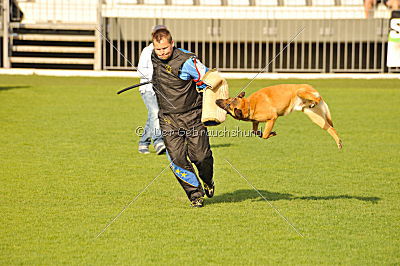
[
  {"x": 152, "y": 129},
  {"x": 185, "y": 175}
]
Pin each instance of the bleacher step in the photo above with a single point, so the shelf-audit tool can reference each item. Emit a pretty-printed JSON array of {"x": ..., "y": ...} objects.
[
  {"x": 47, "y": 60},
  {"x": 52, "y": 49},
  {"x": 54, "y": 26},
  {"x": 50, "y": 37}
]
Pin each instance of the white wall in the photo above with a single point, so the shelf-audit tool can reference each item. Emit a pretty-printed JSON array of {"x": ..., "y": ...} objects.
[{"x": 59, "y": 11}]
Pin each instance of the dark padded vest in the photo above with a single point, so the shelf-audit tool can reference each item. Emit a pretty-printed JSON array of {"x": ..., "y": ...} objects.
[{"x": 174, "y": 95}]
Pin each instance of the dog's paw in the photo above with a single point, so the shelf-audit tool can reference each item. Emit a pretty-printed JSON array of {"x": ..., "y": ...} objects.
[
  {"x": 340, "y": 145},
  {"x": 312, "y": 105},
  {"x": 273, "y": 133}
]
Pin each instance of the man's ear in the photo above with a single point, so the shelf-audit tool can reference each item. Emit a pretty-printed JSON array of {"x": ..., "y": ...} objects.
[
  {"x": 238, "y": 113},
  {"x": 241, "y": 95}
]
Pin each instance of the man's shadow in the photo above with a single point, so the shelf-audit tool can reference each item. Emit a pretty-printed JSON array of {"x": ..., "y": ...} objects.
[
  {"x": 223, "y": 145},
  {"x": 246, "y": 194},
  {"x": 6, "y": 88}
]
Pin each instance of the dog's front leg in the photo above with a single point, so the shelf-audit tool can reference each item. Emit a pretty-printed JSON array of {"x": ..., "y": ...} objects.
[
  {"x": 255, "y": 129},
  {"x": 268, "y": 129}
]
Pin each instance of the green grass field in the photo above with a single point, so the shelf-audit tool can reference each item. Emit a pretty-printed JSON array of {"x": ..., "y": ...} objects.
[{"x": 69, "y": 165}]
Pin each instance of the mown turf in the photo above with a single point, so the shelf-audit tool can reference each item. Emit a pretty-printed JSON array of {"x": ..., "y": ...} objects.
[{"x": 69, "y": 165}]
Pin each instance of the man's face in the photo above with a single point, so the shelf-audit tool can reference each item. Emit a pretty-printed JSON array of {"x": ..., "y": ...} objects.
[{"x": 163, "y": 49}]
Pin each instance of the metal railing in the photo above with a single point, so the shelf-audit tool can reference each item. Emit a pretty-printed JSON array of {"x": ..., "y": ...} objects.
[
  {"x": 1, "y": 33},
  {"x": 336, "y": 38},
  {"x": 5, "y": 20},
  {"x": 325, "y": 46}
]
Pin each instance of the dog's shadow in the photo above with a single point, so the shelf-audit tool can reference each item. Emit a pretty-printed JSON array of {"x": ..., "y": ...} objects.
[{"x": 246, "y": 194}]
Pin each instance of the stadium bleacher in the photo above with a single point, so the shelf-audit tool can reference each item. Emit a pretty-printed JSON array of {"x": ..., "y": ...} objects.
[
  {"x": 238, "y": 2},
  {"x": 76, "y": 11},
  {"x": 266, "y": 2}
]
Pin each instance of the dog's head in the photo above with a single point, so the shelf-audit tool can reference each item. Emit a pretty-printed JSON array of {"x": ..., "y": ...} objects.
[{"x": 237, "y": 107}]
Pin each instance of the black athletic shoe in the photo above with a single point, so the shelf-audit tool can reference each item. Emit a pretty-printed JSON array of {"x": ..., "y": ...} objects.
[
  {"x": 209, "y": 190},
  {"x": 197, "y": 203}
]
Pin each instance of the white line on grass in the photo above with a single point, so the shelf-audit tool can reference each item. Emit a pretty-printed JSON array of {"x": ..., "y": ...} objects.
[
  {"x": 132, "y": 201},
  {"x": 270, "y": 204}
]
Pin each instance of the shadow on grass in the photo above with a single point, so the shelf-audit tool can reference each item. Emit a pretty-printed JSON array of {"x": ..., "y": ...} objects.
[
  {"x": 6, "y": 88},
  {"x": 246, "y": 194},
  {"x": 221, "y": 145}
]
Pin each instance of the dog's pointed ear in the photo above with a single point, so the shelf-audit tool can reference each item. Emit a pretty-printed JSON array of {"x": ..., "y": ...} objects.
[
  {"x": 241, "y": 95},
  {"x": 238, "y": 113}
]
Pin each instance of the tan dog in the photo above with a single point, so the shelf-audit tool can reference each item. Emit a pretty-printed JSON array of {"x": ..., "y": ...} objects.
[{"x": 267, "y": 104}]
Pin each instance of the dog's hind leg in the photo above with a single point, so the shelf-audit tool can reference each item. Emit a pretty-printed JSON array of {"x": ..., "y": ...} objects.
[
  {"x": 310, "y": 98},
  {"x": 320, "y": 115},
  {"x": 268, "y": 128}
]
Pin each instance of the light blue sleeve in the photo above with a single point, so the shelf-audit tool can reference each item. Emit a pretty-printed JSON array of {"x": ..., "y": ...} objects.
[{"x": 195, "y": 70}]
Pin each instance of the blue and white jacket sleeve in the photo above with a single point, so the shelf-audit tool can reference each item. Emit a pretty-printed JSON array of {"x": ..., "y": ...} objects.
[{"x": 195, "y": 70}]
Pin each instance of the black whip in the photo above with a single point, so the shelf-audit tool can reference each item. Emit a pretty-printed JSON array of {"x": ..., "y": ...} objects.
[{"x": 134, "y": 86}]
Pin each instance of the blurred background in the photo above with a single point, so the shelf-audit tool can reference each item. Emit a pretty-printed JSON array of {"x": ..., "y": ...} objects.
[{"x": 339, "y": 36}]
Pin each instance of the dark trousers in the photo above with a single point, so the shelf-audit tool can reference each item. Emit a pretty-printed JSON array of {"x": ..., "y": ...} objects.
[{"x": 187, "y": 142}]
